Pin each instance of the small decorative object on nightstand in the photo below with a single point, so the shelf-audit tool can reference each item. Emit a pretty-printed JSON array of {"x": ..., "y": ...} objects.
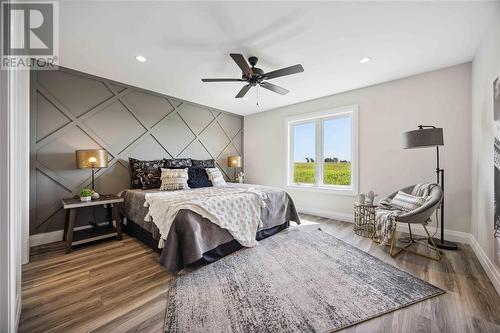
[
  {"x": 72, "y": 237},
  {"x": 364, "y": 219},
  {"x": 86, "y": 195},
  {"x": 241, "y": 177}
]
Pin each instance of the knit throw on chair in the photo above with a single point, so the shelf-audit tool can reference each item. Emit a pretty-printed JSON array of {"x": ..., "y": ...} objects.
[{"x": 386, "y": 214}]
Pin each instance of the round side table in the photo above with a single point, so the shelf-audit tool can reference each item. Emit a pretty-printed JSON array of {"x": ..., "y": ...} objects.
[{"x": 364, "y": 220}]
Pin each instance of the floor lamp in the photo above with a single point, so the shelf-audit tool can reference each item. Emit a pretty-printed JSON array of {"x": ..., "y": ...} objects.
[{"x": 425, "y": 137}]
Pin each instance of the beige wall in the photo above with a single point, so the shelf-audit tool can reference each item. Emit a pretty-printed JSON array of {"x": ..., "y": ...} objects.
[
  {"x": 485, "y": 68},
  {"x": 440, "y": 98}
]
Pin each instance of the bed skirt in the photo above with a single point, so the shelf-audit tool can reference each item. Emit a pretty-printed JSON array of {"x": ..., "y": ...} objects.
[{"x": 134, "y": 230}]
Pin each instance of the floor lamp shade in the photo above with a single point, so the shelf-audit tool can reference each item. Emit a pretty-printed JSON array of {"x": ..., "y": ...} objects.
[
  {"x": 91, "y": 158},
  {"x": 422, "y": 138}
]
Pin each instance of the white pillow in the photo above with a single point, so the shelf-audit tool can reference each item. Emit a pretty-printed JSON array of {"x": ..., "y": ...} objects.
[
  {"x": 406, "y": 202},
  {"x": 215, "y": 176},
  {"x": 174, "y": 179}
]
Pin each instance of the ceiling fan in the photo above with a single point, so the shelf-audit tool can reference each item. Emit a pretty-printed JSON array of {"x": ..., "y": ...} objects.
[{"x": 255, "y": 76}]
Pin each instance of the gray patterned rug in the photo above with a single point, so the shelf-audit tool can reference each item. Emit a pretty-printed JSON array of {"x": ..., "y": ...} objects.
[{"x": 295, "y": 281}]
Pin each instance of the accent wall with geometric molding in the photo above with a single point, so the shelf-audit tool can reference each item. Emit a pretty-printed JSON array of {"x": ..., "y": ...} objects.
[{"x": 71, "y": 110}]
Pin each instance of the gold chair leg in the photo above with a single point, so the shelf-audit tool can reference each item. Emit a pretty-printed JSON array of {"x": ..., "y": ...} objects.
[
  {"x": 394, "y": 253},
  {"x": 433, "y": 244},
  {"x": 393, "y": 239},
  {"x": 393, "y": 242}
]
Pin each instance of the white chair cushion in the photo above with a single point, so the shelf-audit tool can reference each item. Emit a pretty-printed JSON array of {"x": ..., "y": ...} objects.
[{"x": 406, "y": 202}]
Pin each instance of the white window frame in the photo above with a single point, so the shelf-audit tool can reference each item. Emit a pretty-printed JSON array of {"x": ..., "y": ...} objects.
[{"x": 319, "y": 118}]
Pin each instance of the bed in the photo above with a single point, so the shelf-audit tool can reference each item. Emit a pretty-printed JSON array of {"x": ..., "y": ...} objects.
[{"x": 193, "y": 239}]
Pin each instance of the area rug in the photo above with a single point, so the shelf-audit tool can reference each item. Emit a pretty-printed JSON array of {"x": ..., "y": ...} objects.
[{"x": 295, "y": 281}]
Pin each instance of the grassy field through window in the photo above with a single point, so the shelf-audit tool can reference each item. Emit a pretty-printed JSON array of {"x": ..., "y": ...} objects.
[{"x": 334, "y": 173}]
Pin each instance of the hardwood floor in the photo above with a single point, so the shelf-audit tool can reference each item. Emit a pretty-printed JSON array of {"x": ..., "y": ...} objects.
[{"x": 120, "y": 287}]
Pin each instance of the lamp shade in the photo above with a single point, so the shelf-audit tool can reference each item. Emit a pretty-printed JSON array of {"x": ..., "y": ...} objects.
[
  {"x": 234, "y": 161},
  {"x": 91, "y": 158},
  {"x": 422, "y": 138}
]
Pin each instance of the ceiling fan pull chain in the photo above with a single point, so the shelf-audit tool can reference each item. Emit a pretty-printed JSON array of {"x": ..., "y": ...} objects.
[{"x": 257, "y": 95}]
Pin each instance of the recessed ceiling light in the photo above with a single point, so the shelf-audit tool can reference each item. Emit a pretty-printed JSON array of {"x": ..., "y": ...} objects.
[
  {"x": 365, "y": 60},
  {"x": 140, "y": 58}
]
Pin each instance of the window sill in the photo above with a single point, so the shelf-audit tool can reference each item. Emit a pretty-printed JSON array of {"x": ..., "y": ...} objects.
[{"x": 324, "y": 189}]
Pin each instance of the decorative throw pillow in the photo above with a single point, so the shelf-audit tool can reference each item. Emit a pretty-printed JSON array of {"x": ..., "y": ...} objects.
[
  {"x": 177, "y": 163},
  {"x": 406, "y": 202},
  {"x": 145, "y": 174},
  {"x": 204, "y": 163},
  {"x": 197, "y": 177},
  {"x": 174, "y": 179},
  {"x": 215, "y": 176}
]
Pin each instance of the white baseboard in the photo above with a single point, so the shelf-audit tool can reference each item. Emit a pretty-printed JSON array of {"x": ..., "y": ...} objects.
[
  {"x": 327, "y": 214},
  {"x": 489, "y": 267},
  {"x": 53, "y": 236},
  {"x": 451, "y": 235}
]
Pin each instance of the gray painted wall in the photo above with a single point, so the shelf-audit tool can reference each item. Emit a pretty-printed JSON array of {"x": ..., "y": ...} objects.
[{"x": 72, "y": 110}]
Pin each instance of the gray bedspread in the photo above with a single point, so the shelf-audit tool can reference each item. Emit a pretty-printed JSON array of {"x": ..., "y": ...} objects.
[{"x": 192, "y": 235}]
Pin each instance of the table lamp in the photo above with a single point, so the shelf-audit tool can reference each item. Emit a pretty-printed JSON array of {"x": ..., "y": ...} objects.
[
  {"x": 234, "y": 162},
  {"x": 428, "y": 137},
  {"x": 91, "y": 159}
]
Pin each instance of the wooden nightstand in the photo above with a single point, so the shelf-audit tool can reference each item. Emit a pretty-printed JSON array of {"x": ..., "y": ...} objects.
[{"x": 72, "y": 237}]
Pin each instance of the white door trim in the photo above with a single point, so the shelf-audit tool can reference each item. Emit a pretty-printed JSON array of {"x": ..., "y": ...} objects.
[{"x": 7, "y": 285}]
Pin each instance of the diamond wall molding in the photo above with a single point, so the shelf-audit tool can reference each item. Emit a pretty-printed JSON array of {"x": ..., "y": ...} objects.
[{"x": 118, "y": 127}]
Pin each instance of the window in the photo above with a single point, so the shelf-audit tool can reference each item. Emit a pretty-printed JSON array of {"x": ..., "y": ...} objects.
[{"x": 322, "y": 150}]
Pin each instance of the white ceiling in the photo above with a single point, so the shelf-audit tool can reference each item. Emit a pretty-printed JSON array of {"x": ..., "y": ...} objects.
[{"x": 184, "y": 42}]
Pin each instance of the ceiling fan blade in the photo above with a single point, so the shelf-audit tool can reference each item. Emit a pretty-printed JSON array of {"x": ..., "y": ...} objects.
[
  {"x": 222, "y": 80},
  {"x": 244, "y": 91},
  {"x": 242, "y": 63},
  {"x": 275, "y": 88},
  {"x": 283, "y": 72}
]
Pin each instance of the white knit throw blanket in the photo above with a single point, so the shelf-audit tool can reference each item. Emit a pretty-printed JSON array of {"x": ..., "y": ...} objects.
[{"x": 234, "y": 209}]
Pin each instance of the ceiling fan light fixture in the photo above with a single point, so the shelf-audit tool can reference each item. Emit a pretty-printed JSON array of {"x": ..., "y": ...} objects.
[
  {"x": 140, "y": 58},
  {"x": 365, "y": 60}
]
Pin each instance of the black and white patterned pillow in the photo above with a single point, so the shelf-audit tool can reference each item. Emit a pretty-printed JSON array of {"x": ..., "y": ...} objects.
[
  {"x": 177, "y": 163},
  {"x": 204, "y": 163},
  {"x": 145, "y": 174}
]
